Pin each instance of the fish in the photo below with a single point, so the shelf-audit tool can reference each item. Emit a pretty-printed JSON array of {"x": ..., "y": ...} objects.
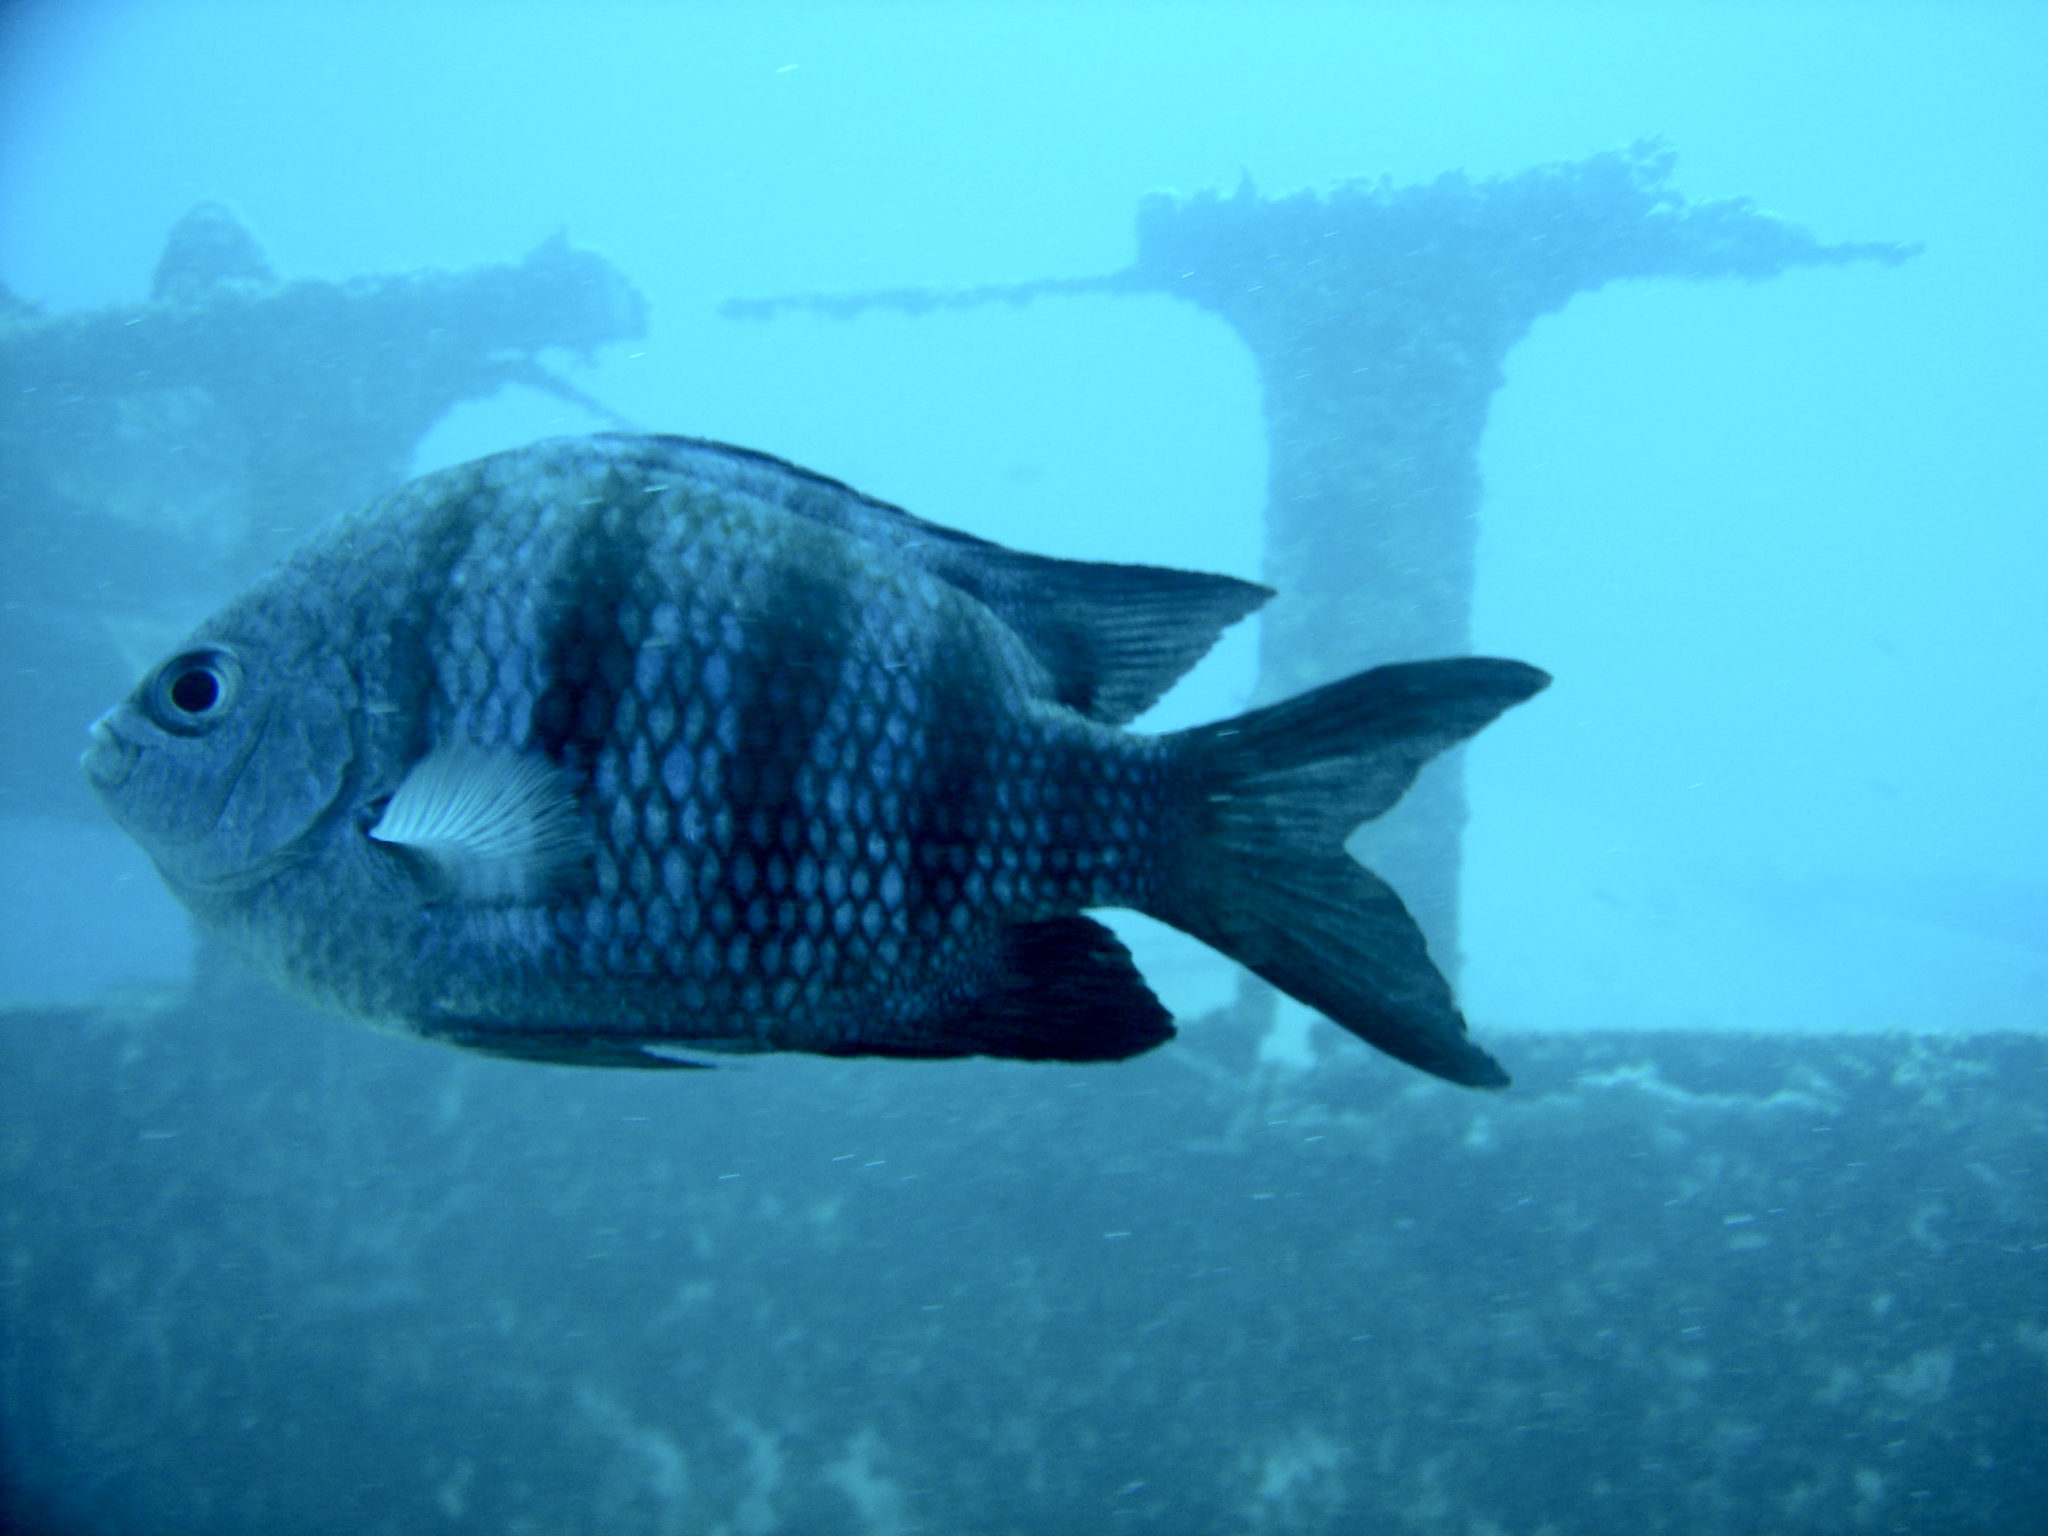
[{"x": 630, "y": 750}]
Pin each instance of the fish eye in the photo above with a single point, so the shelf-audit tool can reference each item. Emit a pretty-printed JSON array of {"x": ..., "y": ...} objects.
[{"x": 192, "y": 691}]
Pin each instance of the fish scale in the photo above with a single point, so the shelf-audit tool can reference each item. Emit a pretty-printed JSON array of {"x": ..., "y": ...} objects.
[
  {"x": 760, "y": 919},
  {"x": 613, "y": 748}
]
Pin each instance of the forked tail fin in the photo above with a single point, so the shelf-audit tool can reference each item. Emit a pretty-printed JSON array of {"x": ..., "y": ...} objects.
[{"x": 1259, "y": 870}]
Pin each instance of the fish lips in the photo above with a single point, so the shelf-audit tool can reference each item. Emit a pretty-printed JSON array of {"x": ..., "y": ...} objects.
[{"x": 110, "y": 758}]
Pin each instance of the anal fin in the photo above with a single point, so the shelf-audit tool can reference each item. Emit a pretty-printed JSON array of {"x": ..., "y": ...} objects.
[{"x": 1066, "y": 990}]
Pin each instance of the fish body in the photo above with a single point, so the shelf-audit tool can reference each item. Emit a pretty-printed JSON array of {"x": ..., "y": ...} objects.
[{"x": 613, "y": 749}]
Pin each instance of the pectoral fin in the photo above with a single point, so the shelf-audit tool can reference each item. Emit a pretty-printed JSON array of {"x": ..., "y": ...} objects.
[{"x": 493, "y": 825}]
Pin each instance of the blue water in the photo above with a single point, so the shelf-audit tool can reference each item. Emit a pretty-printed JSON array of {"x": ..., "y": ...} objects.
[{"x": 1781, "y": 545}]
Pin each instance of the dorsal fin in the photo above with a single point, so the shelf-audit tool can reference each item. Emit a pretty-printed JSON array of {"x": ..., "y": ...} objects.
[{"x": 1113, "y": 638}]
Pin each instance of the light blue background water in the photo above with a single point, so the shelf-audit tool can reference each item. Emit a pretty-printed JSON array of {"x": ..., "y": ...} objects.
[{"x": 1782, "y": 545}]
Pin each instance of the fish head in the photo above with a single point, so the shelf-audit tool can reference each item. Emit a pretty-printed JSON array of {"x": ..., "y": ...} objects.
[{"x": 224, "y": 758}]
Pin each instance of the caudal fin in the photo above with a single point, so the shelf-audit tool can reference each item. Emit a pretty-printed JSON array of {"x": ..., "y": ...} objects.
[{"x": 1259, "y": 869}]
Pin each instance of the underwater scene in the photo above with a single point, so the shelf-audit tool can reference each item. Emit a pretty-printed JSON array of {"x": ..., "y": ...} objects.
[{"x": 1023, "y": 768}]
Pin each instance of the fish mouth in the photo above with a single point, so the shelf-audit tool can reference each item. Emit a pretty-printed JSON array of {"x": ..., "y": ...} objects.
[{"x": 110, "y": 758}]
